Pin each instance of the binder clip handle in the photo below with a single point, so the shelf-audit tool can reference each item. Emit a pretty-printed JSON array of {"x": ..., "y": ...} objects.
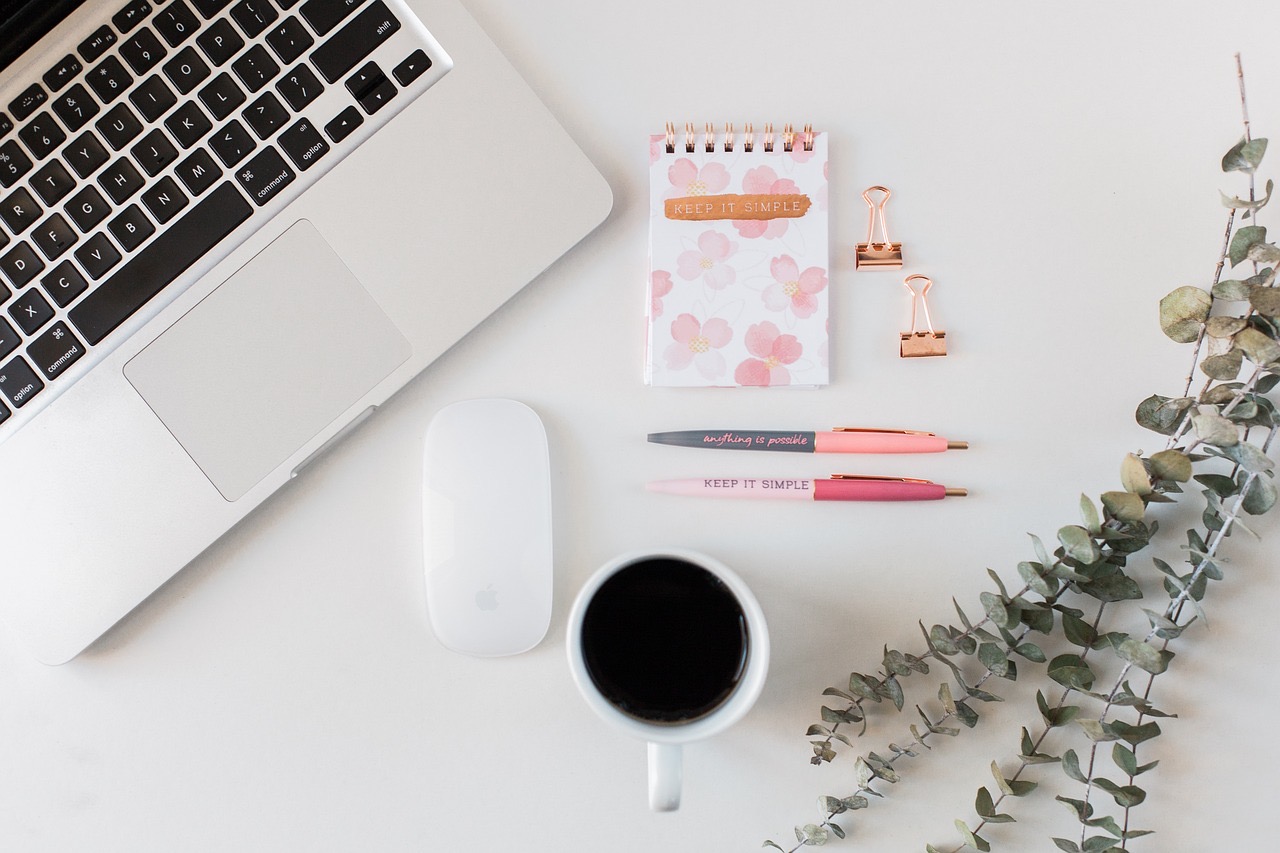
[{"x": 884, "y": 254}]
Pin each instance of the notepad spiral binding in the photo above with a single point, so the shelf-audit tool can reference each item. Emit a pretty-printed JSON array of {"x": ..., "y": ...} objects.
[{"x": 788, "y": 134}]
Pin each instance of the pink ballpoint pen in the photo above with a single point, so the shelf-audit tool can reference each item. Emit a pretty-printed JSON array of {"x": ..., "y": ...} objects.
[{"x": 841, "y": 487}]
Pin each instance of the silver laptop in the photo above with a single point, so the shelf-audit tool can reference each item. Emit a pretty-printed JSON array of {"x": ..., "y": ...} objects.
[{"x": 216, "y": 261}]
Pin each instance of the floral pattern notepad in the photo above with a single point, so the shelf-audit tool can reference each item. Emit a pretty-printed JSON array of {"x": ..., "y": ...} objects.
[{"x": 738, "y": 264}]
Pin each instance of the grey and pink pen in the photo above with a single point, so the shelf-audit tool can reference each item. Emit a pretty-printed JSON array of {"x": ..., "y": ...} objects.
[{"x": 840, "y": 487}]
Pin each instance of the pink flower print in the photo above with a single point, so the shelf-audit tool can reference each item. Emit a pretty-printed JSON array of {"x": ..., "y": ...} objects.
[
  {"x": 772, "y": 350},
  {"x": 763, "y": 180},
  {"x": 797, "y": 151},
  {"x": 822, "y": 191},
  {"x": 708, "y": 261},
  {"x": 697, "y": 343},
  {"x": 687, "y": 179},
  {"x": 659, "y": 286},
  {"x": 657, "y": 142},
  {"x": 794, "y": 290}
]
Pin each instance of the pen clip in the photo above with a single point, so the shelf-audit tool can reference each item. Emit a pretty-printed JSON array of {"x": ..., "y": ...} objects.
[
  {"x": 879, "y": 478},
  {"x": 883, "y": 431}
]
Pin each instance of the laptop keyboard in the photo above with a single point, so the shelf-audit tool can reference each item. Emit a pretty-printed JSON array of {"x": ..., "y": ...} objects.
[{"x": 131, "y": 159}]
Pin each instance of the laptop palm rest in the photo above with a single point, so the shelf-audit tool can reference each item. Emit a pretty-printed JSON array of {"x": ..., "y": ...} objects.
[{"x": 269, "y": 359}]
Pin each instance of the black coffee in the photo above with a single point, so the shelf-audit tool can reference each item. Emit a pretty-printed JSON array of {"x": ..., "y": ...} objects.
[{"x": 665, "y": 640}]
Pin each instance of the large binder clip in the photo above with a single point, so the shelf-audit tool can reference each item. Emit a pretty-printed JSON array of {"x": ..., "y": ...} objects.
[
  {"x": 884, "y": 255},
  {"x": 920, "y": 343}
]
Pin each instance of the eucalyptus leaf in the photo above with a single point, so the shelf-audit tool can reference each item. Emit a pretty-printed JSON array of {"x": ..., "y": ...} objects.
[
  {"x": 1183, "y": 312},
  {"x": 1079, "y": 544},
  {"x": 1125, "y": 506},
  {"x": 1134, "y": 476},
  {"x": 1231, "y": 290},
  {"x": 1213, "y": 428},
  {"x": 1242, "y": 241},
  {"x": 1265, "y": 300},
  {"x": 1244, "y": 156},
  {"x": 1071, "y": 766},
  {"x": 1257, "y": 346},
  {"x": 1260, "y": 496},
  {"x": 1263, "y": 253},
  {"x": 1223, "y": 327},
  {"x": 1235, "y": 202},
  {"x": 1144, "y": 655},
  {"x": 1225, "y": 366},
  {"x": 977, "y": 842},
  {"x": 1089, "y": 515}
]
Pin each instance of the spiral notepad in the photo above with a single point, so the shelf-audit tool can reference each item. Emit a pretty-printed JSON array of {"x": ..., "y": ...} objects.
[{"x": 738, "y": 258}]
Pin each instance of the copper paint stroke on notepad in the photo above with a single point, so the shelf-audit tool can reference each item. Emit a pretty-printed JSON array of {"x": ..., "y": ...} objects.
[{"x": 738, "y": 206}]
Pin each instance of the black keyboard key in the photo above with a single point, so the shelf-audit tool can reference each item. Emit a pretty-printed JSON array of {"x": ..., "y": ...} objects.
[
  {"x": 19, "y": 210},
  {"x": 131, "y": 227},
  {"x": 97, "y": 44},
  {"x": 153, "y": 98},
  {"x": 85, "y": 154},
  {"x": 299, "y": 87},
  {"x": 220, "y": 42},
  {"x": 64, "y": 283},
  {"x": 290, "y": 40},
  {"x": 19, "y": 383},
  {"x": 120, "y": 180},
  {"x": 232, "y": 143},
  {"x": 9, "y": 339},
  {"x": 30, "y": 311},
  {"x": 254, "y": 16},
  {"x": 87, "y": 208},
  {"x": 222, "y": 96},
  {"x": 363, "y": 81},
  {"x": 154, "y": 152},
  {"x": 209, "y": 8},
  {"x": 142, "y": 50},
  {"x": 286, "y": 4},
  {"x": 198, "y": 171},
  {"x": 266, "y": 115},
  {"x": 188, "y": 124},
  {"x": 97, "y": 255},
  {"x": 42, "y": 135},
  {"x": 53, "y": 236},
  {"x": 119, "y": 126},
  {"x": 377, "y": 93},
  {"x": 183, "y": 243},
  {"x": 265, "y": 176},
  {"x": 343, "y": 124},
  {"x": 13, "y": 163},
  {"x": 109, "y": 80},
  {"x": 176, "y": 22},
  {"x": 324, "y": 15},
  {"x": 165, "y": 200},
  {"x": 412, "y": 67},
  {"x": 62, "y": 73},
  {"x": 187, "y": 70},
  {"x": 55, "y": 350},
  {"x": 75, "y": 107},
  {"x": 131, "y": 15},
  {"x": 355, "y": 41},
  {"x": 53, "y": 182},
  {"x": 304, "y": 144},
  {"x": 28, "y": 102},
  {"x": 6, "y": 124},
  {"x": 21, "y": 265},
  {"x": 256, "y": 68},
  {"x": 4, "y": 413}
]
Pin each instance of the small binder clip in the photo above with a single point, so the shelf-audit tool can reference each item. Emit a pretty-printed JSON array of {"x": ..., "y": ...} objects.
[
  {"x": 916, "y": 344},
  {"x": 884, "y": 255}
]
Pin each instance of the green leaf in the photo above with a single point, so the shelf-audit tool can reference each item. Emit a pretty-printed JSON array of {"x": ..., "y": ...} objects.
[
  {"x": 1266, "y": 301},
  {"x": 977, "y": 842},
  {"x": 1031, "y": 652},
  {"x": 1258, "y": 347},
  {"x": 1225, "y": 366},
  {"x": 1031, "y": 574},
  {"x": 1089, "y": 515},
  {"x": 1144, "y": 655},
  {"x": 1097, "y": 731},
  {"x": 1078, "y": 631},
  {"x": 1135, "y": 734},
  {"x": 1097, "y": 844},
  {"x": 1125, "y": 759},
  {"x": 1171, "y": 465},
  {"x": 994, "y": 659},
  {"x": 1221, "y": 485},
  {"x": 1115, "y": 587},
  {"x": 1071, "y": 766},
  {"x": 1134, "y": 476},
  {"x": 982, "y": 804},
  {"x": 1244, "y": 156},
  {"x": 863, "y": 687},
  {"x": 1184, "y": 310},
  {"x": 1161, "y": 414},
  {"x": 1235, "y": 202},
  {"x": 812, "y": 835},
  {"x": 1261, "y": 495},
  {"x": 1231, "y": 290},
  {"x": 773, "y": 844},
  {"x": 1064, "y": 844},
  {"x": 1071, "y": 671},
  {"x": 1124, "y": 506},
  {"x": 966, "y": 715},
  {"x": 1213, "y": 428},
  {"x": 1249, "y": 457},
  {"x": 836, "y": 830},
  {"x": 894, "y": 691},
  {"x": 1079, "y": 544},
  {"x": 1242, "y": 241}
]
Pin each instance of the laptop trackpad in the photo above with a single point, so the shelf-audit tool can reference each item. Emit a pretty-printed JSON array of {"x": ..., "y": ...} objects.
[{"x": 268, "y": 360}]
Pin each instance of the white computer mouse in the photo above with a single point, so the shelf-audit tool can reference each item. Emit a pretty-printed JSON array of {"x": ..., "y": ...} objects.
[{"x": 487, "y": 527}]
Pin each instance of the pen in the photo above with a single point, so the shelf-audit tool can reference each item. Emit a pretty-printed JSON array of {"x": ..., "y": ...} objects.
[
  {"x": 841, "y": 487},
  {"x": 838, "y": 440}
]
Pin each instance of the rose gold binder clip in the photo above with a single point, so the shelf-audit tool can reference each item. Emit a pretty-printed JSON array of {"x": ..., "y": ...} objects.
[
  {"x": 919, "y": 343},
  {"x": 884, "y": 255}
]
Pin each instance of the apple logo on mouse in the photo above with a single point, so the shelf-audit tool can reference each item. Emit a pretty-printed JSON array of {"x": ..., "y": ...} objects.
[{"x": 487, "y": 598}]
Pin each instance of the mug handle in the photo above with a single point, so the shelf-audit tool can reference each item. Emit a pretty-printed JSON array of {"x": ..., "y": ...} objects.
[{"x": 666, "y": 772}]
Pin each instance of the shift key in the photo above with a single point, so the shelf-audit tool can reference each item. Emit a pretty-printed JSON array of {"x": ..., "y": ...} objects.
[{"x": 347, "y": 47}]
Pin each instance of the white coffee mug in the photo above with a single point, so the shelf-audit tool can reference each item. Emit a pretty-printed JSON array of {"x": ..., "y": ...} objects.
[{"x": 595, "y": 662}]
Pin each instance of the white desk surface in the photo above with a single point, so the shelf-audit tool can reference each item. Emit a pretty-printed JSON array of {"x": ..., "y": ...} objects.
[{"x": 1055, "y": 172}]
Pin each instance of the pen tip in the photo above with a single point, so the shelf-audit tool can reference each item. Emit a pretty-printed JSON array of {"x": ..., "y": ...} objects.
[
  {"x": 957, "y": 445},
  {"x": 956, "y": 493}
]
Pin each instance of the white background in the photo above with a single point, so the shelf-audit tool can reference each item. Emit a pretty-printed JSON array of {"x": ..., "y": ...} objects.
[{"x": 1055, "y": 170}]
